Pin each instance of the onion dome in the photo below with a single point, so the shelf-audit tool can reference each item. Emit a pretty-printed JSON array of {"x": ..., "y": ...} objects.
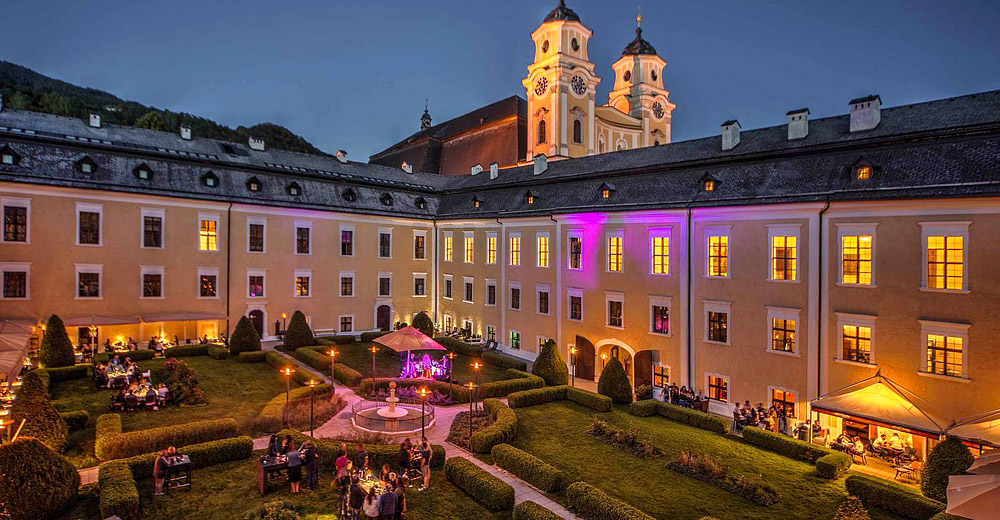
[
  {"x": 638, "y": 45},
  {"x": 561, "y": 12}
]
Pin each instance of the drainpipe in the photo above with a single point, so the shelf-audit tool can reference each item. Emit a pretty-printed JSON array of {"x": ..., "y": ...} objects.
[
  {"x": 229, "y": 247},
  {"x": 434, "y": 273},
  {"x": 502, "y": 286},
  {"x": 557, "y": 260},
  {"x": 824, "y": 267},
  {"x": 690, "y": 303}
]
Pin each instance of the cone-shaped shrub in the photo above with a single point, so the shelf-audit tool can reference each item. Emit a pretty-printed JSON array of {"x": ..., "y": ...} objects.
[
  {"x": 245, "y": 337},
  {"x": 298, "y": 334},
  {"x": 35, "y": 481},
  {"x": 423, "y": 323},
  {"x": 614, "y": 382},
  {"x": 42, "y": 420},
  {"x": 951, "y": 457},
  {"x": 550, "y": 365},
  {"x": 56, "y": 349}
]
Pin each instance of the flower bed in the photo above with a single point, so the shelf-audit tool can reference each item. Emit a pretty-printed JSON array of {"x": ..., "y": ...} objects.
[
  {"x": 627, "y": 440},
  {"x": 459, "y": 432},
  {"x": 711, "y": 470}
]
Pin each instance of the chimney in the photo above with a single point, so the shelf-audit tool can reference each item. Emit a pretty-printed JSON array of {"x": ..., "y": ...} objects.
[
  {"x": 342, "y": 156},
  {"x": 730, "y": 134},
  {"x": 477, "y": 169},
  {"x": 95, "y": 120},
  {"x": 407, "y": 167},
  {"x": 541, "y": 164},
  {"x": 186, "y": 133},
  {"x": 798, "y": 124},
  {"x": 494, "y": 170},
  {"x": 866, "y": 113},
  {"x": 256, "y": 144}
]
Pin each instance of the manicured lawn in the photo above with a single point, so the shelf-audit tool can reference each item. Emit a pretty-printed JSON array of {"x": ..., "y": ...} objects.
[
  {"x": 554, "y": 432},
  {"x": 233, "y": 389},
  {"x": 359, "y": 357}
]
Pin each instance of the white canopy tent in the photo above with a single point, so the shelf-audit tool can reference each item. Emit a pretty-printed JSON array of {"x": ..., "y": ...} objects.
[
  {"x": 982, "y": 429},
  {"x": 15, "y": 339},
  {"x": 974, "y": 496}
]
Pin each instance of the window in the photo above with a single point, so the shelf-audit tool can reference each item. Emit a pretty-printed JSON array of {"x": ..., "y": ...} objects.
[
  {"x": 208, "y": 280},
  {"x": 575, "y": 252},
  {"x": 856, "y": 259},
  {"x": 420, "y": 284},
  {"x": 255, "y": 284},
  {"x": 944, "y": 348},
  {"x": 469, "y": 248},
  {"x": 303, "y": 238},
  {"x": 8, "y": 156},
  {"x": 302, "y": 282},
  {"x": 717, "y": 322},
  {"x": 491, "y": 333},
  {"x": 542, "y": 340},
  {"x": 491, "y": 248},
  {"x": 945, "y": 258},
  {"x": 542, "y": 250},
  {"x": 709, "y": 185},
  {"x": 385, "y": 243},
  {"x": 15, "y": 280},
  {"x": 862, "y": 172},
  {"x": 615, "y": 253},
  {"x": 16, "y": 214},
  {"x": 615, "y": 305},
  {"x": 515, "y": 249},
  {"x": 541, "y": 131},
  {"x": 152, "y": 282},
  {"x": 86, "y": 165},
  {"x": 294, "y": 189},
  {"x": 347, "y": 283},
  {"x": 349, "y": 195},
  {"x": 208, "y": 232},
  {"x": 420, "y": 203},
  {"x": 88, "y": 217},
  {"x": 449, "y": 247},
  {"x": 468, "y": 289},
  {"x": 152, "y": 228},
  {"x": 143, "y": 172},
  {"x": 88, "y": 277},
  {"x": 476, "y": 203},
  {"x": 782, "y": 335},
  {"x": 529, "y": 198},
  {"x": 543, "y": 299},
  {"x": 419, "y": 245},
  {"x": 255, "y": 236},
  {"x": 784, "y": 255},
  {"x": 347, "y": 324},
  {"x": 660, "y": 252},
  {"x": 209, "y": 180},
  {"x": 784, "y": 400},
  {"x": 515, "y": 340},
  {"x": 718, "y": 254},
  {"x": 575, "y": 303},
  {"x": 447, "y": 286},
  {"x": 346, "y": 241},
  {"x": 385, "y": 284},
  {"x": 857, "y": 343},
  {"x": 515, "y": 296},
  {"x": 718, "y": 388},
  {"x": 606, "y": 190},
  {"x": 577, "y": 131},
  {"x": 661, "y": 376},
  {"x": 659, "y": 321},
  {"x": 491, "y": 292},
  {"x": 254, "y": 184}
]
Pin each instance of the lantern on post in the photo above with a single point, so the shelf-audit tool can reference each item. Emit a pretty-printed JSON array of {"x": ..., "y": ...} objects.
[
  {"x": 287, "y": 372},
  {"x": 423, "y": 413}
]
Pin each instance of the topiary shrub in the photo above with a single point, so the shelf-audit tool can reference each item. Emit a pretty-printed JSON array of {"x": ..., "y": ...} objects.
[
  {"x": 244, "y": 338},
  {"x": 529, "y": 510},
  {"x": 493, "y": 493},
  {"x": 34, "y": 406},
  {"x": 614, "y": 382},
  {"x": 851, "y": 509},
  {"x": 591, "y": 503},
  {"x": 834, "y": 465},
  {"x": 56, "y": 349},
  {"x": 35, "y": 481},
  {"x": 218, "y": 352},
  {"x": 528, "y": 467},
  {"x": 298, "y": 333},
  {"x": 950, "y": 457},
  {"x": 892, "y": 497},
  {"x": 252, "y": 357},
  {"x": 423, "y": 323},
  {"x": 550, "y": 365}
]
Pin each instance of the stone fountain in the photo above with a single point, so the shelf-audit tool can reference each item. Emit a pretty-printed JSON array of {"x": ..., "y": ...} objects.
[{"x": 392, "y": 412}]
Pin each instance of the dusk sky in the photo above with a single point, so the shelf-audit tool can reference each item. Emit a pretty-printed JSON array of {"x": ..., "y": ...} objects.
[{"x": 354, "y": 75}]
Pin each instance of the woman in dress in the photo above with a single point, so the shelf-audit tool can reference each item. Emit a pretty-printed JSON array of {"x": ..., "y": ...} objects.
[
  {"x": 273, "y": 446},
  {"x": 294, "y": 466},
  {"x": 160, "y": 471},
  {"x": 370, "y": 506},
  {"x": 425, "y": 463}
]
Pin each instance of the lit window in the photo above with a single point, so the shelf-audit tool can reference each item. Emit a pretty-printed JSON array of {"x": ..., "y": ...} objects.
[
  {"x": 15, "y": 222},
  {"x": 718, "y": 326},
  {"x": 208, "y": 235},
  {"x": 253, "y": 185},
  {"x": 255, "y": 286},
  {"x": 89, "y": 284},
  {"x": 346, "y": 242},
  {"x": 718, "y": 255},
  {"x": 661, "y": 255},
  {"x": 661, "y": 376},
  {"x": 709, "y": 185},
  {"x": 302, "y": 286},
  {"x": 449, "y": 250},
  {"x": 470, "y": 252},
  {"x": 575, "y": 252},
  {"x": 862, "y": 172},
  {"x": 605, "y": 193},
  {"x": 946, "y": 262},
  {"x": 476, "y": 203},
  {"x": 294, "y": 190},
  {"x": 784, "y": 251},
  {"x": 660, "y": 320},
  {"x": 783, "y": 400},
  {"x": 207, "y": 285},
  {"x": 515, "y": 250},
  {"x": 782, "y": 335},
  {"x": 515, "y": 340},
  {"x": 944, "y": 355},
  {"x": 718, "y": 388},
  {"x": 543, "y": 250},
  {"x": 615, "y": 254},
  {"x": 491, "y": 249},
  {"x": 419, "y": 249},
  {"x": 529, "y": 198},
  {"x": 856, "y": 254},
  {"x": 857, "y": 343}
]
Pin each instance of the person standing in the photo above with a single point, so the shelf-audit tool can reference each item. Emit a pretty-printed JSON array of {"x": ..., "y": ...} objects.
[
  {"x": 273, "y": 446},
  {"x": 400, "y": 497},
  {"x": 160, "y": 471},
  {"x": 387, "y": 504},
  {"x": 294, "y": 466},
  {"x": 311, "y": 460},
  {"x": 342, "y": 458},
  {"x": 371, "y": 504},
  {"x": 357, "y": 500},
  {"x": 361, "y": 461},
  {"x": 425, "y": 463}
]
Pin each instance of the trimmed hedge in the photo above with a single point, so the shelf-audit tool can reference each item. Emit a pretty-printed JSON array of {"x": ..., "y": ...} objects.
[
  {"x": 76, "y": 420},
  {"x": 69, "y": 373},
  {"x": 514, "y": 381},
  {"x": 279, "y": 362},
  {"x": 614, "y": 382},
  {"x": 339, "y": 339},
  {"x": 244, "y": 338},
  {"x": 298, "y": 333},
  {"x": 136, "y": 355},
  {"x": 186, "y": 351},
  {"x": 107, "y": 424},
  {"x": 644, "y": 408},
  {"x": 892, "y": 497},
  {"x": 317, "y": 358},
  {"x": 270, "y": 417},
  {"x": 601, "y": 403},
  {"x": 591, "y": 503},
  {"x": 528, "y": 467},
  {"x": 834, "y": 465},
  {"x": 34, "y": 406},
  {"x": 502, "y": 430},
  {"x": 950, "y": 457},
  {"x": 695, "y": 418},
  {"x": 122, "y": 445},
  {"x": 529, "y": 510},
  {"x": 460, "y": 392},
  {"x": 550, "y": 365},
  {"x": 378, "y": 454},
  {"x": 251, "y": 357},
  {"x": 549, "y": 394},
  {"x": 35, "y": 481},
  {"x": 56, "y": 349},
  {"x": 946, "y": 516},
  {"x": 218, "y": 352},
  {"x": 493, "y": 493},
  {"x": 505, "y": 361},
  {"x": 202, "y": 454},
  {"x": 118, "y": 494},
  {"x": 784, "y": 445},
  {"x": 370, "y": 336},
  {"x": 460, "y": 346}
]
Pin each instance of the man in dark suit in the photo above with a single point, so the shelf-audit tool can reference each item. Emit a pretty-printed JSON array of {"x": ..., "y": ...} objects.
[{"x": 387, "y": 504}]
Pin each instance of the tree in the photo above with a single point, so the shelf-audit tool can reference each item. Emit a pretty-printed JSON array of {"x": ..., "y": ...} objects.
[
  {"x": 56, "y": 349},
  {"x": 851, "y": 509},
  {"x": 35, "y": 481},
  {"x": 151, "y": 120},
  {"x": 423, "y": 323},
  {"x": 550, "y": 365},
  {"x": 245, "y": 337},
  {"x": 614, "y": 382},
  {"x": 298, "y": 334},
  {"x": 41, "y": 420},
  {"x": 951, "y": 457}
]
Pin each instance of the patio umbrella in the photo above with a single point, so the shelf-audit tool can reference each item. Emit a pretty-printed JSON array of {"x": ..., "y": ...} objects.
[
  {"x": 408, "y": 338},
  {"x": 974, "y": 496},
  {"x": 988, "y": 464}
]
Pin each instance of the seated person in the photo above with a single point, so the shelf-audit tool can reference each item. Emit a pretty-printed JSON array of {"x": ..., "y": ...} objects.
[
  {"x": 116, "y": 361},
  {"x": 895, "y": 443},
  {"x": 386, "y": 472},
  {"x": 858, "y": 447}
]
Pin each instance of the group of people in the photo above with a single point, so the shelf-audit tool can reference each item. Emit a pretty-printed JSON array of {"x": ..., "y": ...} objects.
[
  {"x": 140, "y": 392},
  {"x": 117, "y": 371},
  {"x": 773, "y": 418},
  {"x": 683, "y": 396},
  {"x": 891, "y": 448},
  {"x": 298, "y": 456}
]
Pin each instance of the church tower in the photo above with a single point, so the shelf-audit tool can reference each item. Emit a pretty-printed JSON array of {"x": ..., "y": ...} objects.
[
  {"x": 560, "y": 88},
  {"x": 638, "y": 89}
]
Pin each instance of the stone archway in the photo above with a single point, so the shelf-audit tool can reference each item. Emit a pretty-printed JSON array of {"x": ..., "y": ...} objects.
[
  {"x": 585, "y": 358},
  {"x": 257, "y": 320},
  {"x": 608, "y": 348}
]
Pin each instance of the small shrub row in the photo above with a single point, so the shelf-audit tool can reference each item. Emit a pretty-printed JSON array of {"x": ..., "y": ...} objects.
[
  {"x": 69, "y": 373},
  {"x": 136, "y": 355},
  {"x": 76, "y": 420},
  {"x": 461, "y": 393},
  {"x": 591, "y": 503},
  {"x": 201, "y": 454},
  {"x": 378, "y": 454},
  {"x": 186, "y": 351},
  {"x": 834, "y": 465},
  {"x": 256, "y": 356},
  {"x": 892, "y": 497},
  {"x": 785, "y": 445},
  {"x": 503, "y": 360},
  {"x": 529, "y": 510},
  {"x": 626, "y": 439},
  {"x": 271, "y": 415},
  {"x": 342, "y": 339},
  {"x": 370, "y": 336},
  {"x": 118, "y": 494},
  {"x": 317, "y": 358},
  {"x": 549, "y": 394},
  {"x": 681, "y": 414},
  {"x": 515, "y": 381},
  {"x": 601, "y": 403},
  {"x": 279, "y": 362},
  {"x": 502, "y": 430},
  {"x": 493, "y": 493},
  {"x": 218, "y": 352},
  {"x": 528, "y": 467},
  {"x": 711, "y": 470},
  {"x": 461, "y": 347},
  {"x": 122, "y": 445}
]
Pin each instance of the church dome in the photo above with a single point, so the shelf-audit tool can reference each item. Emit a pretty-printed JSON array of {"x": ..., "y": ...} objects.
[
  {"x": 561, "y": 12},
  {"x": 638, "y": 45}
]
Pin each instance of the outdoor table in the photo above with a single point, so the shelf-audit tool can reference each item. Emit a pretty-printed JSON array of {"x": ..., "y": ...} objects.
[
  {"x": 178, "y": 471},
  {"x": 267, "y": 468}
]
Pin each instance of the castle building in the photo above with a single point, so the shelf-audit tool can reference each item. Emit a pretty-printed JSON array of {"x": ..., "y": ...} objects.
[{"x": 840, "y": 267}]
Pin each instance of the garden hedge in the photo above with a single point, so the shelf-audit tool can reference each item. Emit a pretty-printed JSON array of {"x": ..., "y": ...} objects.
[
  {"x": 34, "y": 406},
  {"x": 69, "y": 373},
  {"x": 202, "y": 454},
  {"x": 186, "y": 351},
  {"x": 550, "y": 365},
  {"x": 502, "y": 430},
  {"x": 591, "y": 503},
  {"x": 549, "y": 394},
  {"x": 946, "y": 516},
  {"x": 529, "y": 510},
  {"x": 35, "y": 481},
  {"x": 892, "y": 497},
  {"x": 252, "y": 357},
  {"x": 279, "y": 362},
  {"x": 601, "y": 403},
  {"x": 370, "y": 336},
  {"x": 614, "y": 382},
  {"x": 339, "y": 339},
  {"x": 317, "y": 358},
  {"x": 378, "y": 454},
  {"x": 118, "y": 494},
  {"x": 503, "y": 360},
  {"x": 461, "y": 393},
  {"x": 244, "y": 338},
  {"x": 56, "y": 350},
  {"x": 784, "y": 445},
  {"x": 493, "y": 493},
  {"x": 695, "y": 418},
  {"x": 528, "y": 468},
  {"x": 461, "y": 347},
  {"x": 833, "y": 465},
  {"x": 111, "y": 445},
  {"x": 270, "y": 417},
  {"x": 218, "y": 352},
  {"x": 136, "y": 355},
  {"x": 298, "y": 333},
  {"x": 644, "y": 408},
  {"x": 76, "y": 420},
  {"x": 514, "y": 381},
  {"x": 950, "y": 457}
]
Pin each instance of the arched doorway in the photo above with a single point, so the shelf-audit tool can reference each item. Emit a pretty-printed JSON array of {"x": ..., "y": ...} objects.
[
  {"x": 613, "y": 348},
  {"x": 383, "y": 317},
  {"x": 585, "y": 356},
  {"x": 643, "y": 368},
  {"x": 257, "y": 319}
]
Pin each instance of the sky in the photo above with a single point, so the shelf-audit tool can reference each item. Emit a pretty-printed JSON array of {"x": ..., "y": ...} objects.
[{"x": 354, "y": 75}]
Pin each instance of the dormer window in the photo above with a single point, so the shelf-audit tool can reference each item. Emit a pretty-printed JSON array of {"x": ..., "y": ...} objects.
[
  {"x": 863, "y": 172},
  {"x": 349, "y": 195},
  {"x": 143, "y": 172},
  {"x": 606, "y": 190},
  {"x": 476, "y": 203},
  {"x": 420, "y": 203},
  {"x": 86, "y": 165},
  {"x": 386, "y": 199},
  {"x": 529, "y": 198},
  {"x": 294, "y": 189},
  {"x": 254, "y": 185},
  {"x": 9, "y": 156},
  {"x": 210, "y": 180},
  {"x": 709, "y": 183}
]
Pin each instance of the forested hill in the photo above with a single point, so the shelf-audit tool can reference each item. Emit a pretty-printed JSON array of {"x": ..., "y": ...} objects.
[{"x": 25, "y": 89}]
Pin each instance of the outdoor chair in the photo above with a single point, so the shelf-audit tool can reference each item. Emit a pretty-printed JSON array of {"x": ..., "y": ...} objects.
[
  {"x": 131, "y": 403},
  {"x": 150, "y": 399}
]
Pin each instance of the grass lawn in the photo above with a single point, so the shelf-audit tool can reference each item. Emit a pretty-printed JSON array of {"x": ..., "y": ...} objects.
[
  {"x": 359, "y": 357},
  {"x": 228, "y": 491},
  {"x": 233, "y": 389},
  {"x": 554, "y": 432}
]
